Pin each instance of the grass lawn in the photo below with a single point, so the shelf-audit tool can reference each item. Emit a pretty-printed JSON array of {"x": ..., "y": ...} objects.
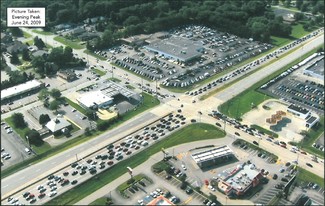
[
  {"x": 305, "y": 176},
  {"x": 242, "y": 103},
  {"x": 26, "y": 35},
  {"x": 193, "y": 132},
  {"x": 72, "y": 44},
  {"x": 99, "y": 201},
  {"x": 95, "y": 55},
  {"x": 114, "y": 79},
  {"x": 129, "y": 86},
  {"x": 42, "y": 32},
  {"x": 76, "y": 106},
  {"x": 268, "y": 132},
  {"x": 312, "y": 135},
  {"x": 99, "y": 72},
  {"x": 126, "y": 185},
  {"x": 21, "y": 133}
]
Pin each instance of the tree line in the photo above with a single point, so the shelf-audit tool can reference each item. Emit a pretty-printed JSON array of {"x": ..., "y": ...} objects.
[{"x": 245, "y": 18}]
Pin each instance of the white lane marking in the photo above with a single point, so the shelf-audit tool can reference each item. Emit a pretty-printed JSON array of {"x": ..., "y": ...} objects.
[
  {"x": 4, "y": 186},
  {"x": 53, "y": 163},
  {"x": 38, "y": 170}
]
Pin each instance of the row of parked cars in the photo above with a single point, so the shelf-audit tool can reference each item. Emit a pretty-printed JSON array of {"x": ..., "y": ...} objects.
[{"x": 102, "y": 160}]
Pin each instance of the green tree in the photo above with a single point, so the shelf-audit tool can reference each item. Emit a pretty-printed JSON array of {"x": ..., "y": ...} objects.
[
  {"x": 34, "y": 137},
  {"x": 25, "y": 55},
  {"x": 18, "y": 120},
  {"x": 87, "y": 131},
  {"x": 299, "y": 4},
  {"x": 16, "y": 31},
  {"x": 43, "y": 119},
  {"x": 43, "y": 94},
  {"x": 55, "y": 93},
  {"x": 54, "y": 105},
  {"x": 14, "y": 58},
  {"x": 38, "y": 42}
]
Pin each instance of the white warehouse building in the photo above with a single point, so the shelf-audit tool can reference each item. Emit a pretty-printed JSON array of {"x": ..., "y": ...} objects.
[{"x": 95, "y": 99}]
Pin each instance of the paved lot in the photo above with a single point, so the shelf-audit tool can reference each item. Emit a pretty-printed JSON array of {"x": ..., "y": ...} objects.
[
  {"x": 14, "y": 146},
  {"x": 295, "y": 87},
  {"x": 221, "y": 50},
  {"x": 259, "y": 115}
]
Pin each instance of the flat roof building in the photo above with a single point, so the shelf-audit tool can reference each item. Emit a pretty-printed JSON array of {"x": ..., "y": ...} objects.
[
  {"x": 239, "y": 180},
  {"x": 212, "y": 156},
  {"x": 20, "y": 89},
  {"x": 299, "y": 111},
  {"x": 95, "y": 99},
  {"x": 311, "y": 121},
  {"x": 177, "y": 48}
]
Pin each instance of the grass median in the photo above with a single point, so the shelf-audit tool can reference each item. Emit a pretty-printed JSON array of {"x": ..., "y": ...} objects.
[{"x": 194, "y": 132}]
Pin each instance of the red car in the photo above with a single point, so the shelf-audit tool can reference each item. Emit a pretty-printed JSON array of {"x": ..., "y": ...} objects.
[
  {"x": 302, "y": 152},
  {"x": 110, "y": 162},
  {"x": 41, "y": 195},
  {"x": 206, "y": 182},
  {"x": 284, "y": 146}
]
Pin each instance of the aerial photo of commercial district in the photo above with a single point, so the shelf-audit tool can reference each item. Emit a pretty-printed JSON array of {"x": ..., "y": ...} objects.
[{"x": 162, "y": 102}]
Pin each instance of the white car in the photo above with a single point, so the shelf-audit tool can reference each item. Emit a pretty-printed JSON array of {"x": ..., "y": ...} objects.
[
  {"x": 51, "y": 194},
  {"x": 184, "y": 168}
]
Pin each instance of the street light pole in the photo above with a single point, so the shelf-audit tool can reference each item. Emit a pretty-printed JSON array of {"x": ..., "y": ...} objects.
[{"x": 28, "y": 141}]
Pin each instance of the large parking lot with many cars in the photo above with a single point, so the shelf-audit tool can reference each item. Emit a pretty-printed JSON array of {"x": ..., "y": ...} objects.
[
  {"x": 295, "y": 87},
  {"x": 86, "y": 167},
  {"x": 221, "y": 50}
]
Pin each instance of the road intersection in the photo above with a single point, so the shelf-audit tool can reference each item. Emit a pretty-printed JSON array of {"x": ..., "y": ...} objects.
[{"x": 19, "y": 180}]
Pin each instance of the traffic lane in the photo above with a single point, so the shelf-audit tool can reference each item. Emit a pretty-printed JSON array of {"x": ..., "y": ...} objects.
[
  {"x": 242, "y": 85},
  {"x": 84, "y": 162},
  {"x": 30, "y": 174}
]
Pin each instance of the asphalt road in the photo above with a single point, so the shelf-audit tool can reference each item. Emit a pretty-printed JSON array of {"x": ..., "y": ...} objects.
[
  {"x": 241, "y": 86},
  {"x": 28, "y": 175}
]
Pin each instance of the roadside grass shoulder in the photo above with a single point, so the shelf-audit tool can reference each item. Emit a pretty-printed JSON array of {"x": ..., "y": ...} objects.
[
  {"x": 194, "y": 132},
  {"x": 42, "y": 32},
  {"x": 304, "y": 177},
  {"x": 67, "y": 42}
]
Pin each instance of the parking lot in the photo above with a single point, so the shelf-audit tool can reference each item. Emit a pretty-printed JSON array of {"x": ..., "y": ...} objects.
[
  {"x": 83, "y": 169},
  {"x": 295, "y": 87},
  {"x": 12, "y": 148},
  {"x": 221, "y": 50}
]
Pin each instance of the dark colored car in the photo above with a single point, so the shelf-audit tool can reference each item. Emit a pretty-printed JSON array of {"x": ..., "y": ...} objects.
[
  {"x": 309, "y": 165},
  {"x": 254, "y": 142}
]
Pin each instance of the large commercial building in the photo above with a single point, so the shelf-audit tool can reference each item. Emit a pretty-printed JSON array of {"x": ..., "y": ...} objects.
[
  {"x": 94, "y": 100},
  {"x": 20, "y": 90},
  {"x": 104, "y": 97},
  {"x": 299, "y": 111},
  {"x": 177, "y": 48},
  {"x": 213, "y": 156},
  {"x": 239, "y": 180}
]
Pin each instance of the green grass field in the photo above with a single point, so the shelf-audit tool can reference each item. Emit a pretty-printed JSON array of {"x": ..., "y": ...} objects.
[
  {"x": 305, "y": 176},
  {"x": 99, "y": 72},
  {"x": 187, "y": 134},
  {"x": 42, "y": 32},
  {"x": 72, "y": 44},
  {"x": 27, "y": 35}
]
